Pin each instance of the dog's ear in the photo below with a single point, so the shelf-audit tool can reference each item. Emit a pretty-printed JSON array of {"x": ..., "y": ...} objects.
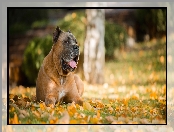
[
  {"x": 69, "y": 31},
  {"x": 56, "y": 34}
]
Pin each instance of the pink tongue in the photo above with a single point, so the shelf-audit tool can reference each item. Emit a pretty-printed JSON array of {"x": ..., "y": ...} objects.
[{"x": 72, "y": 64}]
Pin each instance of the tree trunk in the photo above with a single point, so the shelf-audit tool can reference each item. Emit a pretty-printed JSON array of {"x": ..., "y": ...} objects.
[{"x": 94, "y": 51}]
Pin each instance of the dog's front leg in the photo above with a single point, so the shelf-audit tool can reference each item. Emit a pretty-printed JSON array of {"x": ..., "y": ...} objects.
[
  {"x": 79, "y": 84},
  {"x": 50, "y": 99}
]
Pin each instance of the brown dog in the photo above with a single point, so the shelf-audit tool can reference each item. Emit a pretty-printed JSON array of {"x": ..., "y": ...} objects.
[{"x": 56, "y": 81}]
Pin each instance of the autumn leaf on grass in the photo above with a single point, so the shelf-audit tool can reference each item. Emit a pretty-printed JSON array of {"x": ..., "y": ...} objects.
[
  {"x": 73, "y": 121},
  {"x": 110, "y": 110},
  {"x": 72, "y": 109},
  {"x": 15, "y": 119},
  {"x": 23, "y": 114},
  {"x": 54, "y": 121},
  {"x": 36, "y": 113},
  {"x": 132, "y": 122},
  {"x": 98, "y": 114},
  {"x": 110, "y": 119},
  {"x": 123, "y": 119},
  {"x": 46, "y": 115},
  {"x": 94, "y": 120},
  {"x": 144, "y": 121},
  {"x": 59, "y": 109},
  {"x": 158, "y": 121},
  {"x": 65, "y": 118},
  {"x": 13, "y": 107},
  {"x": 42, "y": 106},
  {"x": 100, "y": 105},
  {"x": 87, "y": 106}
]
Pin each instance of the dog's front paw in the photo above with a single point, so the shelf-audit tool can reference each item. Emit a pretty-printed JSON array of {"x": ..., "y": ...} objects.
[
  {"x": 79, "y": 102},
  {"x": 50, "y": 101}
]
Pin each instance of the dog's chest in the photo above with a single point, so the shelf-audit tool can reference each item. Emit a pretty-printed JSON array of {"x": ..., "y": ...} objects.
[
  {"x": 62, "y": 80},
  {"x": 61, "y": 94}
]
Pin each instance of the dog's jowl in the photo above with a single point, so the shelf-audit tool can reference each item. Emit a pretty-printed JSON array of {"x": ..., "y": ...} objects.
[{"x": 56, "y": 81}]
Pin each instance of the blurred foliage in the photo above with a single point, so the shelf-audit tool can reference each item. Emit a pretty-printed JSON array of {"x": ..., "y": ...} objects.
[
  {"x": 151, "y": 21},
  {"x": 34, "y": 54},
  {"x": 20, "y": 20},
  {"x": 39, "y": 24},
  {"x": 115, "y": 37}
]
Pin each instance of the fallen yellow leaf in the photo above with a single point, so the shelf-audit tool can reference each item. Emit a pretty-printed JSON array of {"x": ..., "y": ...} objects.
[
  {"x": 43, "y": 122},
  {"x": 33, "y": 108},
  {"x": 15, "y": 119},
  {"x": 110, "y": 109},
  {"x": 98, "y": 114},
  {"x": 87, "y": 106},
  {"x": 71, "y": 109},
  {"x": 94, "y": 120},
  {"x": 51, "y": 121},
  {"x": 83, "y": 122},
  {"x": 36, "y": 113},
  {"x": 42, "y": 106},
  {"x": 73, "y": 122}
]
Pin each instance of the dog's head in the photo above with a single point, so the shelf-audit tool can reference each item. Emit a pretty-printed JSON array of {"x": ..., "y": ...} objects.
[{"x": 67, "y": 48}]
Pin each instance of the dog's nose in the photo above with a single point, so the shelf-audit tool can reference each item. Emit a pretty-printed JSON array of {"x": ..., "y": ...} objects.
[{"x": 75, "y": 46}]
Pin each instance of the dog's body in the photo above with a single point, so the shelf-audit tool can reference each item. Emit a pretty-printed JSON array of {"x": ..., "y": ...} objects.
[{"x": 56, "y": 81}]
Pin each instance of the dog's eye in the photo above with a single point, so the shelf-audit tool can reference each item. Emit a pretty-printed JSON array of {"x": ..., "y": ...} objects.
[{"x": 66, "y": 42}]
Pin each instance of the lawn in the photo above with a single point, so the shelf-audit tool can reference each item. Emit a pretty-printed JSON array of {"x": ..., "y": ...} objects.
[{"x": 134, "y": 92}]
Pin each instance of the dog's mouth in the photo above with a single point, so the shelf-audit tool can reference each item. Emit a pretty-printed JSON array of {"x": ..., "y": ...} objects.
[
  {"x": 73, "y": 63},
  {"x": 70, "y": 65}
]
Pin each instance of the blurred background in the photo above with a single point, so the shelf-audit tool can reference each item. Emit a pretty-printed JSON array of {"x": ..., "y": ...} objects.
[
  {"x": 125, "y": 32},
  {"x": 141, "y": 66}
]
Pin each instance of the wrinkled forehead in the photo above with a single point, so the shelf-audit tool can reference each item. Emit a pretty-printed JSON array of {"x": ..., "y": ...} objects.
[{"x": 64, "y": 36}]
